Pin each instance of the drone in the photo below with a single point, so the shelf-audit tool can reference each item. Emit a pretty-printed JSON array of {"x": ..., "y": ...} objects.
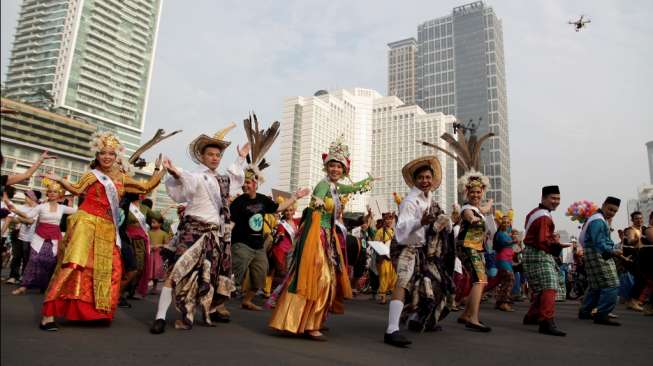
[{"x": 580, "y": 23}]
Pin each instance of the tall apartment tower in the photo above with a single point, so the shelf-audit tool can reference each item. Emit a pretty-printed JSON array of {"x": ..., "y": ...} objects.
[
  {"x": 401, "y": 69},
  {"x": 460, "y": 71},
  {"x": 91, "y": 58}
]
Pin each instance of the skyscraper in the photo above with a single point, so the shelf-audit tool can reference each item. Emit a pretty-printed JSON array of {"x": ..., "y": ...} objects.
[
  {"x": 459, "y": 70},
  {"x": 91, "y": 58},
  {"x": 401, "y": 69}
]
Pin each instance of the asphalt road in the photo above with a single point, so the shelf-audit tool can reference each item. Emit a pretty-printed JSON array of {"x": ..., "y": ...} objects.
[{"x": 355, "y": 338}]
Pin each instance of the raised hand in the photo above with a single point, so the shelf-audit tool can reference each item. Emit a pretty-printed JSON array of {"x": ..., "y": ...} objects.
[
  {"x": 45, "y": 156},
  {"x": 51, "y": 176},
  {"x": 302, "y": 192},
  {"x": 242, "y": 152},
  {"x": 167, "y": 164}
]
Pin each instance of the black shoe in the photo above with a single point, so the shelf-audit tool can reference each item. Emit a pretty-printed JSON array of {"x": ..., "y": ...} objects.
[
  {"x": 478, "y": 327},
  {"x": 219, "y": 318},
  {"x": 158, "y": 327},
  {"x": 584, "y": 316},
  {"x": 606, "y": 321},
  {"x": 396, "y": 339},
  {"x": 530, "y": 321},
  {"x": 50, "y": 327},
  {"x": 122, "y": 303},
  {"x": 549, "y": 327}
]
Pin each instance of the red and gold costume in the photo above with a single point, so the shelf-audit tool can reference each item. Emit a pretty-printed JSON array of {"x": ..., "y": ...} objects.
[{"x": 86, "y": 281}]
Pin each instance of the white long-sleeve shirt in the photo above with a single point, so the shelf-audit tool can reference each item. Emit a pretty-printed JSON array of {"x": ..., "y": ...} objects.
[
  {"x": 189, "y": 189},
  {"x": 26, "y": 231},
  {"x": 45, "y": 216},
  {"x": 409, "y": 230}
]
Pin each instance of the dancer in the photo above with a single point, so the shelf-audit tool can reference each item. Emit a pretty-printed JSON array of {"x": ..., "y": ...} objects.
[
  {"x": 599, "y": 264},
  {"x": 318, "y": 281},
  {"x": 44, "y": 243},
  {"x": 471, "y": 244},
  {"x": 248, "y": 250},
  {"x": 422, "y": 241},
  {"x": 503, "y": 242},
  {"x": 10, "y": 180},
  {"x": 284, "y": 243},
  {"x": 539, "y": 262},
  {"x": 86, "y": 281},
  {"x": 20, "y": 245},
  {"x": 201, "y": 275},
  {"x": 386, "y": 271}
]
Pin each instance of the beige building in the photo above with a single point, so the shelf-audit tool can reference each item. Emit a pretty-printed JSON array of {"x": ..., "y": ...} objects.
[{"x": 401, "y": 69}]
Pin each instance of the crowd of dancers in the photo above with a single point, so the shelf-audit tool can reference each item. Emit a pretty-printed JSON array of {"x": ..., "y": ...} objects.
[{"x": 423, "y": 261}]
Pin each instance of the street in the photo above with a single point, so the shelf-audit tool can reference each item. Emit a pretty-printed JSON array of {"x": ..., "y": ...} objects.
[{"x": 355, "y": 338}]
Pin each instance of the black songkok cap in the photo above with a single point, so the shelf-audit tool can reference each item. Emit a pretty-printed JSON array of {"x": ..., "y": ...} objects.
[
  {"x": 550, "y": 190},
  {"x": 612, "y": 201}
]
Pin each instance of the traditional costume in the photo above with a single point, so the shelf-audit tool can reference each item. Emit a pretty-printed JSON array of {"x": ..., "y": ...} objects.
[
  {"x": 386, "y": 271},
  {"x": 318, "y": 280},
  {"x": 86, "y": 281},
  {"x": 418, "y": 254},
  {"x": 503, "y": 243},
  {"x": 202, "y": 273},
  {"x": 44, "y": 243},
  {"x": 540, "y": 266},
  {"x": 158, "y": 238},
  {"x": 600, "y": 267},
  {"x": 280, "y": 254},
  {"x": 136, "y": 229}
]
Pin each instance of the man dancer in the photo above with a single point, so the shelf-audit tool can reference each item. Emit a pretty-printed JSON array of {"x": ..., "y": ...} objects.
[
  {"x": 202, "y": 273},
  {"x": 249, "y": 254},
  {"x": 539, "y": 262},
  {"x": 423, "y": 175},
  {"x": 599, "y": 264}
]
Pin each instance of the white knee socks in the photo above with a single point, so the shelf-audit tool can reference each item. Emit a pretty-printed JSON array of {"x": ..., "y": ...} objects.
[
  {"x": 164, "y": 302},
  {"x": 394, "y": 314}
]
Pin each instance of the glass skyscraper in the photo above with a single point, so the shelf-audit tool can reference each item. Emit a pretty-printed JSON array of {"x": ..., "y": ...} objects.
[
  {"x": 459, "y": 70},
  {"x": 91, "y": 58}
]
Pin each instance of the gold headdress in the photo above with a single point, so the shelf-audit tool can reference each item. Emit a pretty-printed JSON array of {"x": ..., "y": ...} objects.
[
  {"x": 499, "y": 215},
  {"x": 198, "y": 145},
  {"x": 473, "y": 179},
  {"x": 107, "y": 140},
  {"x": 50, "y": 184},
  {"x": 260, "y": 142}
]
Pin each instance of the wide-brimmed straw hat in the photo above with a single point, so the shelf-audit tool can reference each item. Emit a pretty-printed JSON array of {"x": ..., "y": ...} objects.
[
  {"x": 409, "y": 169},
  {"x": 196, "y": 147}
]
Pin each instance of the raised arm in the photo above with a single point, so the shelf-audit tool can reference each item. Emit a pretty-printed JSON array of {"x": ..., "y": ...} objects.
[
  {"x": 358, "y": 187},
  {"x": 16, "y": 178},
  {"x": 75, "y": 188},
  {"x": 300, "y": 193}
]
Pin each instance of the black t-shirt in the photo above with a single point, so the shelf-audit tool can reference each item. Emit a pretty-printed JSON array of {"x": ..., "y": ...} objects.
[{"x": 247, "y": 215}]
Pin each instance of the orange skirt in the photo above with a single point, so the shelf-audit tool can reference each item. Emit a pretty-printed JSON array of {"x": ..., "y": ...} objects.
[{"x": 70, "y": 294}]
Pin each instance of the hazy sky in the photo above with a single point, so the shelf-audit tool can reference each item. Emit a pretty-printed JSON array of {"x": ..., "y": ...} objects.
[{"x": 580, "y": 105}]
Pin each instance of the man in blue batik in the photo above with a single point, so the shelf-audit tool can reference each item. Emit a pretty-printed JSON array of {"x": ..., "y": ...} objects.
[{"x": 599, "y": 264}]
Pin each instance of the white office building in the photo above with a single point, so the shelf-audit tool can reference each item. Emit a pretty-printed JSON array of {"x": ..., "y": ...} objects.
[{"x": 381, "y": 133}]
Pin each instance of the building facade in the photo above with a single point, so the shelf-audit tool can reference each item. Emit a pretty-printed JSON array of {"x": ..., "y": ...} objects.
[
  {"x": 26, "y": 131},
  {"x": 460, "y": 70},
  {"x": 401, "y": 69},
  {"x": 397, "y": 127},
  {"x": 381, "y": 133},
  {"x": 90, "y": 58}
]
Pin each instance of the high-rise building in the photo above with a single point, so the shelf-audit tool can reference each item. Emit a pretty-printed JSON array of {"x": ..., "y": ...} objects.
[
  {"x": 460, "y": 70},
  {"x": 401, "y": 69},
  {"x": 381, "y": 133},
  {"x": 90, "y": 58},
  {"x": 397, "y": 127},
  {"x": 649, "y": 150}
]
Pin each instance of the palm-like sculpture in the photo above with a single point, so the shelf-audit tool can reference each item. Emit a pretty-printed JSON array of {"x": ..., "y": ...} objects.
[{"x": 466, "y": 152}]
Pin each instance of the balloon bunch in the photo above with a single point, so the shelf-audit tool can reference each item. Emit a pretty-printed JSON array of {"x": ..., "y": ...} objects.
[{"x": 580, "y": 211}]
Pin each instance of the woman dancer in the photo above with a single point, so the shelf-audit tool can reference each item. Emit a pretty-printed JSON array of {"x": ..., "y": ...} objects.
[
  {"x": 471, "y": 244},
  {"x": 318, "y": 281},
  {"x": 86, "y": 281},
  {"x": 44, "y": 243},
  {"x": 503, "y": 242}
]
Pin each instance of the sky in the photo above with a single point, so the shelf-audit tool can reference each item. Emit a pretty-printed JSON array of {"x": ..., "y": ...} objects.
[{"x": 579, "y": 104}]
